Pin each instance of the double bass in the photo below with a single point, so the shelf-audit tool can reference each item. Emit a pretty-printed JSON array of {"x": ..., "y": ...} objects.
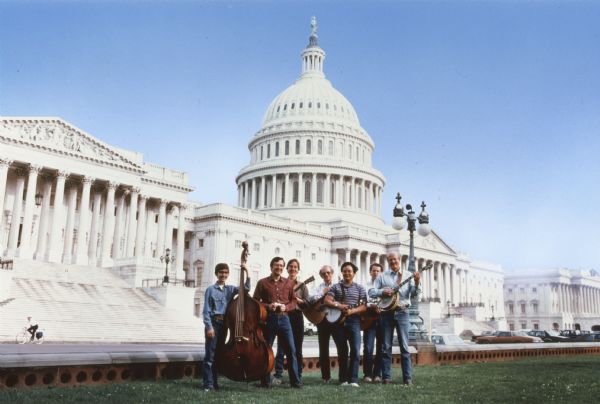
[{"x": 243, "y": 354}]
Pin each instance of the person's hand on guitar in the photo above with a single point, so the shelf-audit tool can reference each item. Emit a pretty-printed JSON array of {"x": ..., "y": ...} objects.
[
  {"x": 417, "y": 278},
  {"x": 299, "y": 301},
  {"x": 387, "y": 292}
]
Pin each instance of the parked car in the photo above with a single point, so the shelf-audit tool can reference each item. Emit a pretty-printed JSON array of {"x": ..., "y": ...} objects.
[
  {"x": 548, "y": 335},
  {"x": 573, "y": 333},
  {"x": 309, "y": 328},
  {"x": 447, "y": 339},
  {"x": 507, "y": 337},
  {"x": 586, "y": 338},
  {"x": 484, "y": 333}
]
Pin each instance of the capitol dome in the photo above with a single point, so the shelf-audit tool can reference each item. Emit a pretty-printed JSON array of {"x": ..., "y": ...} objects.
[{"x": 311, "y": 159}]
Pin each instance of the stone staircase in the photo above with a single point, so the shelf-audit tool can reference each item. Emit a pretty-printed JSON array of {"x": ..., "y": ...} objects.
[{"x": 85, "y": 304}]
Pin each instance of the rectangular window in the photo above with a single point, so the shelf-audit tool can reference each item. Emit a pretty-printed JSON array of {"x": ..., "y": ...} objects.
[
  {"x": 535, "y": 308},
  {"x": 313, "y": 256},
  {"x": 256, "y": 247},
  {"x": 511, "y": 326},
  {"x": 523, "y": 325},
  {"x": 511, "y": 309},
  {"x": 238, "y": 243},
  {"x": 509, "y": 290},
  {"x": 155, "y": 218},
  {"x": 201, "y": 242},
  {"x": 187, "y": 244},
  {"x": 534, "y": 290},
  {"x": 536, "y": 326},
  {"x": 298, "y": 253},
  {"x": 523, "y": 308}
]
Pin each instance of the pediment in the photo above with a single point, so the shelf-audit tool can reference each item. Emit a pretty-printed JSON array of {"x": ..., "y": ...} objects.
[
  {"x": 433, "y": 242},
  {"x": 56, "y": 135}
]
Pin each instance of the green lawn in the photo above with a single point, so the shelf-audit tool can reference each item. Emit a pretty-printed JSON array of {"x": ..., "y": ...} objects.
[{"x": 565, "y": 380}]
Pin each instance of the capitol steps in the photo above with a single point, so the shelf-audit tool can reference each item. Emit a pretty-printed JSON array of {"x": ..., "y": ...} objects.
[{"x": 84, "y": 304}]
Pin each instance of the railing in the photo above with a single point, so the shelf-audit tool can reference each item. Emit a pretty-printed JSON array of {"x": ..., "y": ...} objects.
[
  {"x": 6, "y": 264},
  {"x": 155, "y": 282}
]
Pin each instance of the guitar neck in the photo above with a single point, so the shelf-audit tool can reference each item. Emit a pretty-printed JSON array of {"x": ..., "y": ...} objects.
[{"x": 404, "y": 282}]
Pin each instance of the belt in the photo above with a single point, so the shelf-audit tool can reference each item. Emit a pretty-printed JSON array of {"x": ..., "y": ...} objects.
[
  {"x": 402, "y": 307},
  {"x": 217, "y": 317}
]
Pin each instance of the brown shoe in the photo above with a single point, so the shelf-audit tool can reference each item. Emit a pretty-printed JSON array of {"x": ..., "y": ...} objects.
[
  {"x": 407, "y": 382},
  {"x": 387, "y": 381}
]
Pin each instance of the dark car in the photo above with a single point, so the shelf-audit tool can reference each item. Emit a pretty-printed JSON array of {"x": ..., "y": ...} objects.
[
  {"x": 586, "y": 338},
  {"x": 549, "y": 336}
]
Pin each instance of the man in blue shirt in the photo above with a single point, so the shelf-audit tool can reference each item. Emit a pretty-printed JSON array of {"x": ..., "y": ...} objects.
[
  {"x": 216, "y": 299},
  {"x": 397, "y": 319}
]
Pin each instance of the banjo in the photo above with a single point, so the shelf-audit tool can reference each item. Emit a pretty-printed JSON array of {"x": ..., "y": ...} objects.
[
  {"x": 335, "y": 316},
  {"x": 389, "y": 303}
]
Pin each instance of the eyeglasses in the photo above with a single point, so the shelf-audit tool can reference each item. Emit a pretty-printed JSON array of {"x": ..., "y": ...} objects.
[{"x": 325, "y": 273}]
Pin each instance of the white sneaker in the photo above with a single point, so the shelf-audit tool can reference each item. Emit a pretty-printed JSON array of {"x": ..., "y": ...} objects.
[
  {"x": 367, "y": 379},
  {"x": 344, "y": 384},
  {"x": 276, "y": 381},
  {"x": 354, "y": 384},
  {"x": 377, "y": 379}
]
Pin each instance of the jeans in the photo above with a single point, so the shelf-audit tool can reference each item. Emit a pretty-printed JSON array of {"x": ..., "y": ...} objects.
[
  {"x": 397, "y": 320},
  {"x": 372, "y": 368},
  {"x": 279, "y": 326},
  {"x": 209, "y": 371},
  {"x": 346, "y": 334},
  {"x": 297, "y": 322},
  {"x": 324, "y": 331}
]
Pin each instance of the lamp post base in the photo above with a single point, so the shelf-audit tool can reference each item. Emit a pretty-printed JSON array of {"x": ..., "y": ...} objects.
[{"x": 165, "y": 279}]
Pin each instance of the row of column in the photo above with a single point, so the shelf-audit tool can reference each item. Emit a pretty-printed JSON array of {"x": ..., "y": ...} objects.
[
  {"x": 329, "y": 190},
  {"x": 60, "y": 234},
  {"x": 445, "y": 281},
  {"x": 578, "y": 298}
]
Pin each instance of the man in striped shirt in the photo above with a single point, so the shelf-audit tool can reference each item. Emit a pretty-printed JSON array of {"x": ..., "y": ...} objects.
[{"x": 350, "y": 298}]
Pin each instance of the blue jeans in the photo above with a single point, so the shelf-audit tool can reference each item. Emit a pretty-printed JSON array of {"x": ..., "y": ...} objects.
[
  {"x": 397, "y": 320},
  {"x": 372, "y": 368},
  {"x": 346, "y": 334},
  {"x": 297, "y": 321},
  {"x": 209, "y": 372},
  {"x": 279, "y": 326}
]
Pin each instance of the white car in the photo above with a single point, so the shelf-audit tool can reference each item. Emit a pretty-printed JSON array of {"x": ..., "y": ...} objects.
[
  {"x": 447, "y": 339},
  {"x": 310, "y": 328}
]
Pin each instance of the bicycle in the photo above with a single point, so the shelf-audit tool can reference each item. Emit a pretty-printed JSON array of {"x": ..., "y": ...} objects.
[{"x": 24, "y": 337}]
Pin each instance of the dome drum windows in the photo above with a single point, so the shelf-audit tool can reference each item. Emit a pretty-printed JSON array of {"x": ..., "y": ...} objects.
[
  {"x": 287, "y": 147},
  {"x": 308, "y": 147}
]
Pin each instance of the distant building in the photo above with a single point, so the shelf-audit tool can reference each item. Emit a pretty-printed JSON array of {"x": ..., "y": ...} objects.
[{"x": 553, "y": 299}]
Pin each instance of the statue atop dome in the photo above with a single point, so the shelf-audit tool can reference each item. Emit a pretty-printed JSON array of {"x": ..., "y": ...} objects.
[
  {"x": 313, "y": 26},
  {"x": 313, "y": 32}
]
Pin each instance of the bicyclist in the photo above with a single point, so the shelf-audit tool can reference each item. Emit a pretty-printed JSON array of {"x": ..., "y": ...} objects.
[{"x": 33, "y": 326}]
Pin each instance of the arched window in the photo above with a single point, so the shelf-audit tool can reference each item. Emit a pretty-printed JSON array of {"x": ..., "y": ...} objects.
[
  {"x": 285, "y": 107},
  {"x": 297, "y": 146},
  {"x": 331, "y": 148},
  {"x": 261, "y": 152},
  {"x": 287, "y": 147},
  {"x": 350, "y": 151},
  {"x": 320, "y": 146},
  {"x": 295, "y": 192},
  {"x": 357, "y": 159},
  {"x": 307, "y": 185},
  {"x": 320, "y": 191},
  {"x": 269, "y": 151},
  {"x": 276, "y": 149},
  {"x": 308, "y": 146}
]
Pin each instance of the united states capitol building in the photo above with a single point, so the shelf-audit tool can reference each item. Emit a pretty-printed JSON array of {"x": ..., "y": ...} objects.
[{"x": 72, "y": 204}]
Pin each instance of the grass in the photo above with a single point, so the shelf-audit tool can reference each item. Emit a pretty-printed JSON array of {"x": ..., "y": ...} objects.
[{"x": 546, "y": 380}]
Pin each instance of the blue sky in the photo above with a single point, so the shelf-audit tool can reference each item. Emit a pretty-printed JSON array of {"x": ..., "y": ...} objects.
[{"x": 487, "y": 110}]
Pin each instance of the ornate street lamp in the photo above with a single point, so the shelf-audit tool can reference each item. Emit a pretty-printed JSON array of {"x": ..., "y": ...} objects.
[
  {"x": 493, "y": 318},
  {"x": 38, "y": 199},
  {"x": 167, "y": 258},
  {"x": 403, "y": 218}
]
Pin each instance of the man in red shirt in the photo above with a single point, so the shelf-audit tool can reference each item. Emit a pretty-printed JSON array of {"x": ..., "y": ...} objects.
[{"x": 277, "y": 295}]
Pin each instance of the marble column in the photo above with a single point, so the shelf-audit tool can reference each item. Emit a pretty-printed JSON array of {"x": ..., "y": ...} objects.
[
  {"x": 300, "y": 189},
  {"x": 261, "y": 200},
  {"x": 179, "y": 257},
  {"x": 162, "y": 216},
  {"x": 288, "y": 191},
  {"x": 171, "y": 213},
  {"x": 108, "y": 225},
  {"x": 4, "y": 164},
  {"x": 327, "y": 191},
  {"x": 253, "y": 202},
  {"x": 150, "y": 236},
  {"x": 54, "y": 242},
  {"x": 140, "y": 241},
  {"x": 94, "y": 227},
  {"x": 339, "y": 188},
  {"x": 313, "y": 190},
  {"x": 84, "y": 218},
  {"x": 40, "y": 253},
  {"x": 15, "y": 222},
  {"x": 245, "y": 195},
  {"x": 274, "y": 191},
  {"x": 119, "y": 226},
  {"x": 25, "y": 247},
  {"x": 131, "y": 227},
  {"x": 70, "y": 226}
]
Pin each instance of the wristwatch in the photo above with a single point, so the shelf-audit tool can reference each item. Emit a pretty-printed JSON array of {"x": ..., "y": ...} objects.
[{"x": 336, "y": 304}]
